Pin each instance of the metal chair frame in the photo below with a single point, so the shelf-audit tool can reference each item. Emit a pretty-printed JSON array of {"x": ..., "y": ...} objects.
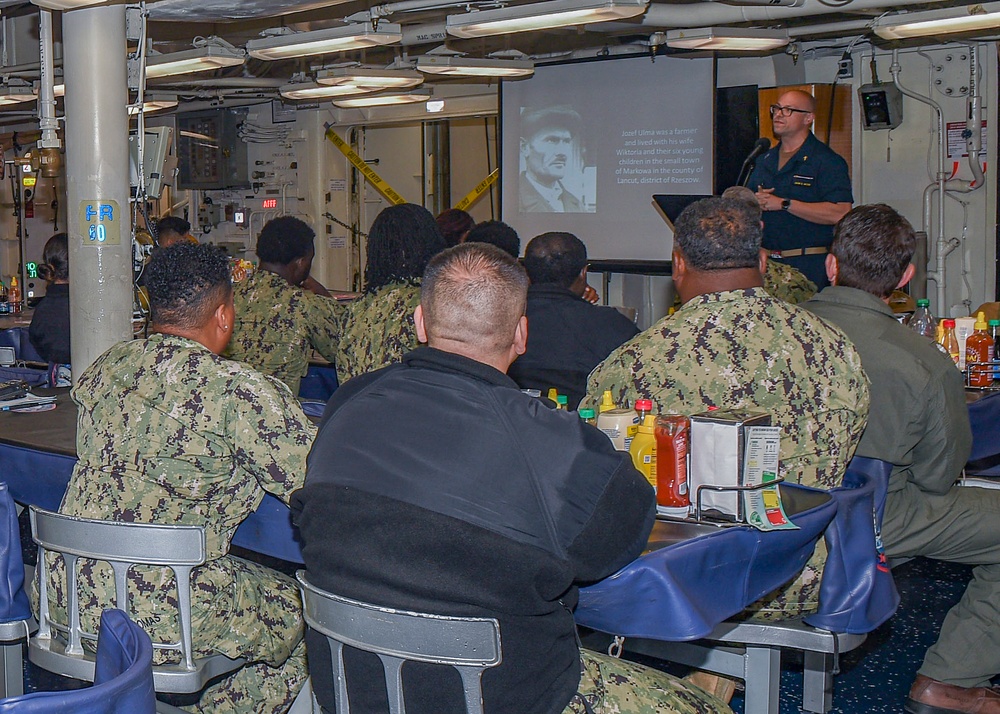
[
  {"x": 58, "y": 647},
  {"x": 469, "y": 644}
]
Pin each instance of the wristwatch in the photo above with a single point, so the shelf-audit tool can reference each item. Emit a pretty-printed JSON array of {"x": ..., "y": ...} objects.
[{"x": 786, "y": 204}]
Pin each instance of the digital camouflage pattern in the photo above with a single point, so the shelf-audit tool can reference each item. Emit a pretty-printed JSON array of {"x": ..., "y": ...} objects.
[
  {"x": 377, "y": 330},
  {"x": 278, "y": 326},
  {"x": 615, "y": 686},
  {"x": 744, "y": 349},
  {"x": 786, "y": 283},
  {"x": 170, "y": 433}
]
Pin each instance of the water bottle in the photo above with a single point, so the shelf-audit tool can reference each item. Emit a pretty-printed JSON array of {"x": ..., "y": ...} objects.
[{"x": 922, "y": 321}]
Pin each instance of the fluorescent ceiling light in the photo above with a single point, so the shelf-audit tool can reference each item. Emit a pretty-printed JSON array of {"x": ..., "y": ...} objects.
[
  {"x": 65, "y": 4},
  {"x": 154, "y": 104},
  {"x": 969, "y": 18},
  {"x": 471, "y": 67},
  {"x": 317, "y": 42},
  {"x": 199, "y": 59},
  {"x": 540, "y": 16},
  {"x": 311, "y": 90},
  {"x": 16, "y": 94},
  {"x": 368, "y": 77},
  {"x": 744, "y": 39},
  {"x": 385, "y": 99}
]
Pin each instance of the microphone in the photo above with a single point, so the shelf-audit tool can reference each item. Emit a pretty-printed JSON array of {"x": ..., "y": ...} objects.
[{"x": 760, "y": 146}]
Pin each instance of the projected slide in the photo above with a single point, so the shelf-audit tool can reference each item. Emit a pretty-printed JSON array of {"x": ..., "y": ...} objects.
[{"x": 586, "y": 145}]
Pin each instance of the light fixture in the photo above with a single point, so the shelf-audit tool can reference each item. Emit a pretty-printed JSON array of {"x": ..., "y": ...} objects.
[
  {"x": 155, "y": 103},
  {"x": 311, "y": 90},
  {"x": 65, "y": 4},
  {"x": 471, "y": 67},
  {"x": 16, "y": 94},
  {"x": 434, "y": 106},
  {"x": 370, "y": 77},
  {"x": 540, "y": 16},
  {"x": 354, "y": 36},
  {"x": 384, "y": 99},
  {"x": 745, "y": 39},
  {"x": 200, "y": 59},
  {"x": 968, "y": 18}
]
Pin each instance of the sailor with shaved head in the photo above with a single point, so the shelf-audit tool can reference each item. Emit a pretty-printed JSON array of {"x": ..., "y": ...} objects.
[{"x": 436, "y": 485}]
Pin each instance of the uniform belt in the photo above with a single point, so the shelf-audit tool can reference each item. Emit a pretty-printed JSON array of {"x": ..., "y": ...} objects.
[{"x": 796, "y": 252}]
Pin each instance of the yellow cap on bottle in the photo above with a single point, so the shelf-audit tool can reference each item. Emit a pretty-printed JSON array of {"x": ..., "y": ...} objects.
[
  {"x": 981, "y": 322},
  {"x": 648, "y": 425},
  {"x": 607, "y": 402},
  {"x": 553, "y": 394}
]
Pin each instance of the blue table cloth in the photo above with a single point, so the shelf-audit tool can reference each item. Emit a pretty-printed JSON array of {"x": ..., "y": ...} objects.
[{"x": 37, "y": 454}]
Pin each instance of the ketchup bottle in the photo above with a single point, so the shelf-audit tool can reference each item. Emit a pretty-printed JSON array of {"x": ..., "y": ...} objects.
[{"x": 673, "y": 435}]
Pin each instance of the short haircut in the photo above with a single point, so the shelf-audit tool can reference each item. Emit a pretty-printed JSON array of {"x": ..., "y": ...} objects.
[
  {"x": 400, "y": 242},
  {"x": 186, "y": 283},
  {"x": 496, "y": 233},
  {"x": 172, "y": 224},
  {"x": 555, "y": 117},
  {"x": 718, "y": 234},
  {"x": 745, "y": 195},
  {"x": 474, "y": 294},
  {"x": 453, "y": 224},
  {"x": 285, "y": 239},
  {"x": 555, "y": 258},
  {"x": 808, "y": 98},
  {"x": 873, "y": 245},
  {"x": 55, "y": 258}
]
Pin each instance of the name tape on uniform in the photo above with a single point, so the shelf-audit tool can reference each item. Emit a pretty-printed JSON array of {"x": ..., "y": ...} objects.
[{"x": 367, "y": 171}]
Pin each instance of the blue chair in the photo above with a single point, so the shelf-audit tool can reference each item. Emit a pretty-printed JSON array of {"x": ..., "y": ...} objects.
[
  {"x": 984, "y": 417},
  {"x": 123, "y": 679},
  {"x": 15, "y": 612}
]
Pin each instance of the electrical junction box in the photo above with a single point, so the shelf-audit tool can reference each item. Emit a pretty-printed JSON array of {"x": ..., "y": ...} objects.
[{"x": 881, "y": 106}]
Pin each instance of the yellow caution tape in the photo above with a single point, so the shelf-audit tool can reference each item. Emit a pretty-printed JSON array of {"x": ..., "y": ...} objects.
[
  {"x": 481, "y": 188},
  {"x": 367, "y": 171}
]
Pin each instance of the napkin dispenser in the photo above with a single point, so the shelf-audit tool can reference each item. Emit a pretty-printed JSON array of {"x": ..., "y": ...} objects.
[{"x": 718, "y": 448}]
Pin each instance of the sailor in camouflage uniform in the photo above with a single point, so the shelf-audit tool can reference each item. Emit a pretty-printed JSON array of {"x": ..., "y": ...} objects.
[
  {"x": 171, "y": 433},
  {"x": 278, "y": 324},
  {"x": 733, "y": 346},
  {"x": 786, "y": 283},
  {"x": 377, "y": 329}
]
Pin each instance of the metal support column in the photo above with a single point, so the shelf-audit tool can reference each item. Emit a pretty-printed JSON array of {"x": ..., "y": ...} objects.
[{"x": 97, "y": 173}]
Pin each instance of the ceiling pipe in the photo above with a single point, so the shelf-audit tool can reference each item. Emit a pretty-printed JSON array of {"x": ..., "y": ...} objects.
[
  {"x": 233, "y": 82},
  {"x": 830, "y": 27}
]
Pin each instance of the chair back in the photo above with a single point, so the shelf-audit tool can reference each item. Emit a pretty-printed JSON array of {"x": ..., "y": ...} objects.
[
  {"x": 124, "y": 681},
  {"x": 58, "y": 645},
  {"x": 857, "y": 593},
  {"x": 984, "y": 419},
  {"x": 469, "y": 644},
  {"x": 14, "y": 605}
]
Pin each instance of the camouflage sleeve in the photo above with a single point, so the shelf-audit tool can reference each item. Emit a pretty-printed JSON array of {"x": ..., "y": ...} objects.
[
  {"x": 323, "y": 316},
  {"x": 271, "y": 436},
  {"x": 787, "y": 283}
]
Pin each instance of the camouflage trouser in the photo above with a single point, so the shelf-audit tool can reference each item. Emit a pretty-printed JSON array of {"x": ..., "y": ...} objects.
[
  {"x": 614, "y": 686},
  {"x": 239, "y": 609}
]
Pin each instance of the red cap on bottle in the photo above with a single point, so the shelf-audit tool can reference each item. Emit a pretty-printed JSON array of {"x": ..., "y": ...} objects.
[
  {"x": 644, "y": 405},
  {"x": 948, "y": 323}
]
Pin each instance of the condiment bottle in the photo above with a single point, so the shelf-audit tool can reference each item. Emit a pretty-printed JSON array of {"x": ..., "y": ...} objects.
[
  {"x": 553, "y": 395},
  {"x": 643, "y": 449},
  {"x": 995, "y": 334},
  {"x": 587, "y": 415},
  {"x": 949, "y": 341},
  {"x": 673, "y": 438},
  {"x": 642, "y": 408},
  {"x": 563, "y": 401},
  {"x": 14, "y": 296},
  {"x": 4, "y": 306},
  {"x": 922, "y": 321},
  {"x": 607, "y": 402},
  {"x": 978, "y": 353},
  {"x": 615, "y": 423}
]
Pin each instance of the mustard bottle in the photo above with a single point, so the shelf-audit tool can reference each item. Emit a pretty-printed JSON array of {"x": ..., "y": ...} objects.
[
  {"x": 607, "y": 402},
  {"x": 643, "y": 449}
]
